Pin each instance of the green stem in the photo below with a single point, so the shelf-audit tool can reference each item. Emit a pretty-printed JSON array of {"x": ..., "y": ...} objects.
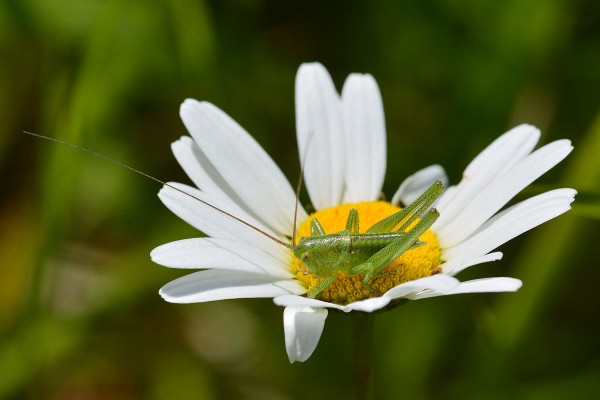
[{"x": 362, "y": 324}]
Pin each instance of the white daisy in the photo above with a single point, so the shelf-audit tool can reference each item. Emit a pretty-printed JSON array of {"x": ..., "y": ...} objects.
[{"x": 344, "y": 168}]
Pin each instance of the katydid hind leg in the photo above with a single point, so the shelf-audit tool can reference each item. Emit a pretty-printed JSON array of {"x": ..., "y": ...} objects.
[
  {"x": 378, "y": 261},
  {"x": 409, "y": 213},
  {"x": 320, "y": 287}
]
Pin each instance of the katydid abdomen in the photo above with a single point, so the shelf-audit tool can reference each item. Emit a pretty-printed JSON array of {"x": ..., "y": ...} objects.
[{"x": 325, "y": 255}]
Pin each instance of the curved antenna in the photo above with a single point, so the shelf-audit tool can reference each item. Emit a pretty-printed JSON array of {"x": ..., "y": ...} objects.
[
  {"x": 249, "y": 225},
  {"x": 298, "y": 187},
  {"x": 296, "y": 206}
]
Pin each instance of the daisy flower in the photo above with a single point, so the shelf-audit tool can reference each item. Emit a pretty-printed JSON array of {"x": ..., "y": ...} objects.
[{"x": 343, "y": 169}]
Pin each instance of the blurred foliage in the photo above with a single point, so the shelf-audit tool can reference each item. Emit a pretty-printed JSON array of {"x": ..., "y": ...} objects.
[{"x": 80, "y": 317}]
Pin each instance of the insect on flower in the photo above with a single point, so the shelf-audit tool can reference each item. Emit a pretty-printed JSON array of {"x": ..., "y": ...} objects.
[
  {"x": 255, "y": 248},
  {"x": 348, "y": 251},
  {"x": 353, "y": 253}
]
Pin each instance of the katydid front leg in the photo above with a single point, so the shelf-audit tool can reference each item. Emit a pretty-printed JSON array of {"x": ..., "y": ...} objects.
[
  {"x": 352, "y": 221},
  {"x": 316, "y": 228},
  {"x": 321, "y": 286}
]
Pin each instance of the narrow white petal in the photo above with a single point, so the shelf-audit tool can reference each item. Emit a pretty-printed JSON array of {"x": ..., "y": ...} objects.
[
  {"x": 501, "y": 154},
  {"x": 247, "y": 169},
  {"x": 510, "y": 223},
  {"x": 364, "y": 128},
  {"x": 473, "y": 261},
  {"x": 533, "y": 203},
  {"x": 486, "y": 285},
  {"x": 300, "y": 301},
  {"x": 204, "y": 253},
  {"x": 505, "y": 151},
  {"x": 490, "y": 285},
  {"x": 416, "y": 184},
  {"x": 303, "y": 327},
  {"x": 215, "y": 284},
  {"x": 439, "y": 282},
  {"x": 498, "y": 192},
  {"x": 320, "y": 136},
  {"x": 213, "y": 222},
  {"x": 368, "y": 305}
]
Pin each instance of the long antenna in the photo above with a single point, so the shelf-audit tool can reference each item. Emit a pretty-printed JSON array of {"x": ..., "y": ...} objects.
[
  {"x": 298, "y": 187},
  {"x": 296, "y": 206},
  {"x": 249, "y": 225}
]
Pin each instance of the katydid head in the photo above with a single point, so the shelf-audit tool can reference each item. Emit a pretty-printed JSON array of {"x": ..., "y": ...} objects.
[{"x": 322, "y": 254}]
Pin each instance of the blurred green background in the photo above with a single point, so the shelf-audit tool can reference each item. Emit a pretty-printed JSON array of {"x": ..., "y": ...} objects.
[{"x": 80, "y": 317}]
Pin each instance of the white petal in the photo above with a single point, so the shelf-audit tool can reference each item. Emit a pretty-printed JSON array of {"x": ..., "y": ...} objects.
[
  {"x": 213, "y": 222},
  {"x": 439, "y": 282},
  {"x": 486, "y": 285},
  {"x": 473, "y": 261},
  {"x": 364, "y": 128},
  {"x": 215, "y": 284},
  {"x": 541, "y": 200},
  {"x": 252, "y": 177},
  {"x": 320, "y": 136},
  {"x": 499, "y": 191},
  {"x": 509, "y": 224},
  {"x": 303, "y": 328},
  {"x": 504, "y": 152},
  {"x": 203, "y": 253},
  {"x": 368, "y": 305},
  {"x": 416, "y": 184}
]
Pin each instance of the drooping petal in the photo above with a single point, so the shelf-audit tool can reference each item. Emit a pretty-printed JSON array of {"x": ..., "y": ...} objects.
[
  {"x": 499, "y": 191},
  {"x": 501, "y": 154},
  {"x": 252, "y": 178},
  {"x": 320, "y": 136},
  {"x": 416, "y": 184},
  {"x": 301, "y": 301},
  {"x": 368, "y": 305},
  {"x": 202, "y": 253},
  {"x": 485, "y": 285},
  {"x": 213, "y": 222},
  {"x": 471, "y": 262},
  {"x": 440, "y": 282},
  {"x": 213, "y": 284},
  {"x": 510, "y": 223},
  {"x": 303, "y": 327},
  {"x": 364, "y": 128}
]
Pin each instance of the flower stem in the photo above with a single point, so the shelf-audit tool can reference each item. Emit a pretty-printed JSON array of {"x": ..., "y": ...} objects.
[{"x": 362, "y": 324}]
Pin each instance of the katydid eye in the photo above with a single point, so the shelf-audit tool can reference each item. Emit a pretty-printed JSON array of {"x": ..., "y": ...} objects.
[{"x": 304, "y": 256}]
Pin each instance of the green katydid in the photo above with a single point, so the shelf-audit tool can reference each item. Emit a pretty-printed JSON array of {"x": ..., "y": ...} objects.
[
  {"x": 349, "y": 251},
  {"x": 367, "y": 253}
]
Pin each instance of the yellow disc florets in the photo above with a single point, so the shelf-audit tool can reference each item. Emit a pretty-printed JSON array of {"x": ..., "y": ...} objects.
[{"x": 413, "y": 264}]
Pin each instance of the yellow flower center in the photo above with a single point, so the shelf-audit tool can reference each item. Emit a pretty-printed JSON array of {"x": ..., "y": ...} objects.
[{"x": 413, "y": 264}]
